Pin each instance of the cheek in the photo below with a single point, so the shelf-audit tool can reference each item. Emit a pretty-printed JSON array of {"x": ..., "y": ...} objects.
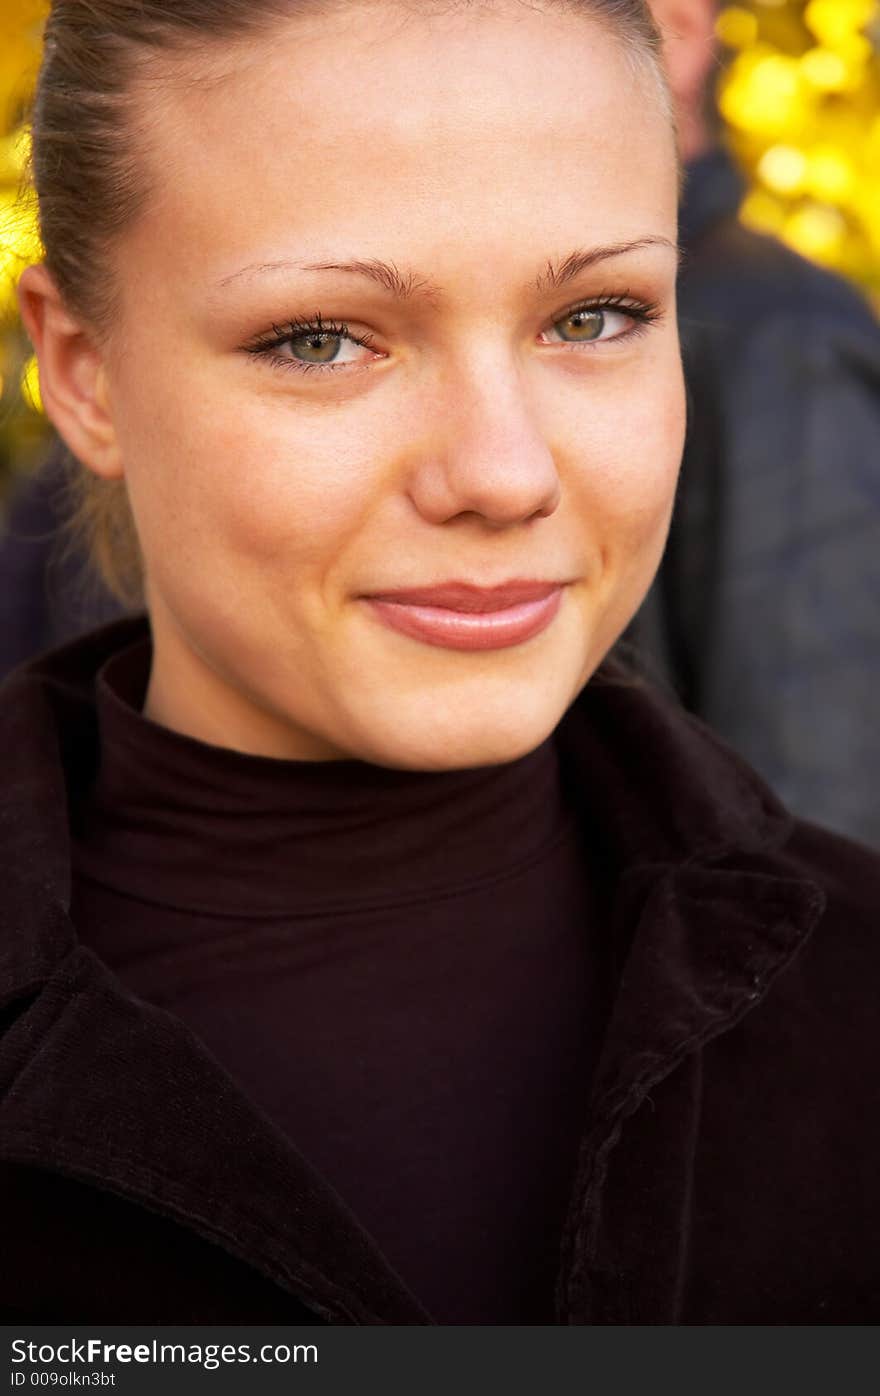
[
  {"x": 266, "y": 483},
  {"x": 628, "y": 475}
]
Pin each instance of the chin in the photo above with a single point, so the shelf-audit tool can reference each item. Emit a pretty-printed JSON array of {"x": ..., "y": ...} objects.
[{"x": 461, "y": 737}]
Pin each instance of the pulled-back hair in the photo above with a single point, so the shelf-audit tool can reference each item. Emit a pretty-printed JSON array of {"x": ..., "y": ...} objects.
[{"x": 91, "y": 180}]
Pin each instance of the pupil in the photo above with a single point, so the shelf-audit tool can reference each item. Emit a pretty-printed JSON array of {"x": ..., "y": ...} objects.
[
  {"x": 586, "y": 324},
  {"x": 317, "y": 348}
]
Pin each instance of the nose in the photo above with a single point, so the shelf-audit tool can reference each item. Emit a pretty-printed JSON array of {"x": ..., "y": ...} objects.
[{"x": 483, "y": 453}]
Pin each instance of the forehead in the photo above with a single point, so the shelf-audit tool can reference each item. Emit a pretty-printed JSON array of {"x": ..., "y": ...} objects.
[{"x": 370, "y": 126}]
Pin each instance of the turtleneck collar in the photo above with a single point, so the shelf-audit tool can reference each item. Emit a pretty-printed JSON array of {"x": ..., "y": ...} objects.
[{"x": 175, "y": 821}]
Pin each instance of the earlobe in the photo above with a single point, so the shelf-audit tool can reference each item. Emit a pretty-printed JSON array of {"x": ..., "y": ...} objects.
[{"x": 73, "y": 375}]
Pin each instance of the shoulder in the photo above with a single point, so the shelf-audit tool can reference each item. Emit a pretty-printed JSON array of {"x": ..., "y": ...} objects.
[
  {"x": 672, "y": 790},
  {"x": 783, "y": 872},
  {"x": 848, "y": 875},
  {"x": 49, "y": 740},
  {"x": 833, "y": 978}
]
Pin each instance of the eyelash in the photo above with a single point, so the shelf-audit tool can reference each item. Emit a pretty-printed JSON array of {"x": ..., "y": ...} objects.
[
  {"x": 263, "y": 347},
  {"x": 642, "y": 313}
]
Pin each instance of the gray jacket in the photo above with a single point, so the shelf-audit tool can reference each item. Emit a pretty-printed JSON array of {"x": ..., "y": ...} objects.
[{"x": 765, "y": 616}]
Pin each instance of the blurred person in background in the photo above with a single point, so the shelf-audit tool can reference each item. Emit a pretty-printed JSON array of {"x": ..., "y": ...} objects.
[
  {"x": 49, "y": 592},
  {"x": 764, "y": 616}
]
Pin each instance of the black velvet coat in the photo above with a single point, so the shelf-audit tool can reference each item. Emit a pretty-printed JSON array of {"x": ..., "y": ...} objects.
[{"x": 730, "y": 1168}]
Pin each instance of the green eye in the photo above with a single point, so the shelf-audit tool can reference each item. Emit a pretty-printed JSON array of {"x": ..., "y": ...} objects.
[
  {"x": 305, "y": 345},
  {"x": 316, "y": 348},
  {"x": 592, "y": 323},
  {"x": 581, "y": 325}
]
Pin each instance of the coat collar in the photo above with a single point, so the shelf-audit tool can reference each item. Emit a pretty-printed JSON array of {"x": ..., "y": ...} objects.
[
  {"x": 707, "y": 910},
  {"x": 706, "y": 913}
]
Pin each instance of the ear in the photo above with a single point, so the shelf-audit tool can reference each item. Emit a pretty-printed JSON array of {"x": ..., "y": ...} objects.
[
  {"x": 73, "y": 378},
  {"x": 688, "y": 30}
]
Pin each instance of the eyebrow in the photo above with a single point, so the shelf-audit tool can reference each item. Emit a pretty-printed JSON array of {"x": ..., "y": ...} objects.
[
  {"x": 402, "y": 285},
  {"x": 558, "y": 272},
  {"x": 408, "y": 285}
]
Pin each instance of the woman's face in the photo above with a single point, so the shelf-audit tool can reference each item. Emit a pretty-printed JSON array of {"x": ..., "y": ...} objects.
[{"x": 400, "y": 317}]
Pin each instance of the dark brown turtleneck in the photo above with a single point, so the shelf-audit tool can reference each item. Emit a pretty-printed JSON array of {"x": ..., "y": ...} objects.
[{"x": 401, "y": 969}]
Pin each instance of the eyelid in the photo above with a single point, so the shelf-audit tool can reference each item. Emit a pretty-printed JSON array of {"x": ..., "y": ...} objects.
[
  {"x": 642, "y": 313},
  {"x": 625, "y": 302},
  {"x": 263, "y": 346},
  {"x": 300, "y": 329}
]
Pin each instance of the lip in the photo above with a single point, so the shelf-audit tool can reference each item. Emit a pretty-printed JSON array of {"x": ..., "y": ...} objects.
[{"x": 460, "y": 616}]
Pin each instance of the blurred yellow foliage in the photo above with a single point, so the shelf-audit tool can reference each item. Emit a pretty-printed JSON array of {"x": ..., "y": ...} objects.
[
  {"x": 800, "y": 100},
  {"x": 21, "y": 427}
]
